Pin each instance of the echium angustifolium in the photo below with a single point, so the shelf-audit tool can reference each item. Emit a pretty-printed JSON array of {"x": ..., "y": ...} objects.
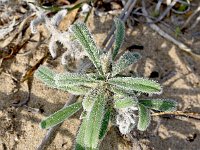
[{"x": 107, "y": 95}]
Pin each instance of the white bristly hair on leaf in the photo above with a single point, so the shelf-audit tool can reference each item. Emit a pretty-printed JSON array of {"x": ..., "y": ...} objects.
[
  {"x": 126, "y": 119},
  {"x": 57, "y": 18},
  {"x": 74, "y": 52},
  {"x": 85, "y": 8},
  {"x": 34, "y": 23},
  {"x": 65, "y": 38}
]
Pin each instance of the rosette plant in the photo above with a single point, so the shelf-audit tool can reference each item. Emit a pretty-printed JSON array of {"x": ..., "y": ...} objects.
[{"x": 108, "y": 97}]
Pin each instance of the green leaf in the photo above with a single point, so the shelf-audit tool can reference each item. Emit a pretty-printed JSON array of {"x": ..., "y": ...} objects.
[
  {"x": 60, "y": 115},
  {"x": 95, "y": 118},
  {"x": 119, "y": 36},
  {"x": 183, "y": 7},
  {"x": 75, "y": 79},
  {"x": 46, "y": 75},
  {"x": 106, "y": 62},
  {"x": 49, "y": 78},
  {"x": 124, "y": 61},
  {"x": 89, "y": 99},
  {"x": 125, "y": 101},
  {"x": 104, "y": 125},
  {"x": 76, "y": 90},
  {"x": 144, "y": 118},
  {"x": 80, "y": 145},
  {"x": 83, "y": 35},
  {"x": 137, "y": 84},
  {"x": 159, "y": 104},
  {"x": 121, "y": 91}
]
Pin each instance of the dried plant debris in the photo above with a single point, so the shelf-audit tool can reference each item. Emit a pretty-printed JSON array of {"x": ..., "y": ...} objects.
[
  {"x": 7, "y": 30},
  {"x": 12, "y": 9},
  {"x": 31, "y": 71},
  {"x": 167, "y": 36},
  {"x": 65, "y": 37}
]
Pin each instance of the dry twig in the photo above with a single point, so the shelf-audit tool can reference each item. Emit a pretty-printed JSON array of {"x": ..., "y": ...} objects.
[
  {"x": 156, "y": 28},
  {"x": 191, "y": 17},
  {"x": 192, "y": 115},
  {"x": 121, "y": 16},
  {"x": 124, "y": 17},
  {"x": 7, "y": 41}
]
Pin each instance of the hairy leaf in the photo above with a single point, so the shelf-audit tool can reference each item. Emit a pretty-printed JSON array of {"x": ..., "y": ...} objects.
[
  {"x": 144, "y": 118},
  {"x": 58, "y": 17},
  {"x": 76, "y": 90},
  {"x": 60, "y": 115},
  {"x": 75, "y": 79},
  {"x": 83, "y": 35},
  {"x": 35, "y": 22},
  {"x": 137, "y": 84},
  {"x": 119, "y": 36},
  {"x": 80, "y": 145},
  {"x": 104, "y": 125},
  {"x": 124, "y": 102},
  {"x": 94, "y": 122},
  {"x": 89, "y": 99},
  {"x": 121, "y": 91},
  {"x": 46, "y": 75},
  {"x": 106, "y": 62},
  {"x": 159, "y": 104},
  {"x": 124, "y": 61}
]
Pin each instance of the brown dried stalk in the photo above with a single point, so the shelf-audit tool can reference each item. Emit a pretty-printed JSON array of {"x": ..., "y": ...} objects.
[{"x": 192, "y": 115}]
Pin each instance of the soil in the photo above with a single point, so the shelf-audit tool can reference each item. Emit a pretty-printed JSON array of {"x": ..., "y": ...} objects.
[{"x": 177, "y": 71}]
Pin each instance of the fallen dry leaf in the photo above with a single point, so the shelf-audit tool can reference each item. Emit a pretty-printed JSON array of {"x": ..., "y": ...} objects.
[{"x": 30, "y": 72}]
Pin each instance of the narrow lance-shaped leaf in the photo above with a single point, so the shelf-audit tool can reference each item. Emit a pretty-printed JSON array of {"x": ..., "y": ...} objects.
[
  {"x": 125, "y": 102},
  {"x": 137, "y": 84},
  {"x": 76, "y": 90},
  {"x": 159, "y": 104},
  {"x": 75, "y": 79},
  {"x": 60, "y": 115},
  {"x": 119, "y": 36},
  {"x": 80, "y": 145},
  {"x": 48, "y": 77},
  {"x": 105, "y": 122},
  {"x": 89, "y": 99},
  {"x": 121, "y": 91},
  {"x": 144, "y": 118},
  {"x": 106, "y": 62},
  {"x": 83, "y": 35},
  {"x": 124, "y": 61},
  {"x": 94, "y": 122}
]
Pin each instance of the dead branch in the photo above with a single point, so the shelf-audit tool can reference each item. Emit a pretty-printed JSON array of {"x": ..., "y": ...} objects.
[
  {"x": 156, "y": 28},
  {"x": 126, "y": 7},
  {"x": 191, "y": 17},
  {"x": 192, "y": 115},
  {"x": 123, "y": 18}
]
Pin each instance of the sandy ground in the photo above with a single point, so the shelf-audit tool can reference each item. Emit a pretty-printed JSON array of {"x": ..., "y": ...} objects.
[{"x": 177, "y": 71}]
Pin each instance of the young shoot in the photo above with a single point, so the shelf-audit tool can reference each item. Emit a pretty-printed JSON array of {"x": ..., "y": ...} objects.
[{"x": 107, "y": 95}]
